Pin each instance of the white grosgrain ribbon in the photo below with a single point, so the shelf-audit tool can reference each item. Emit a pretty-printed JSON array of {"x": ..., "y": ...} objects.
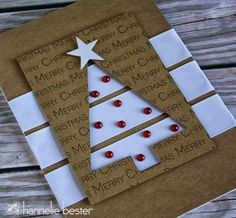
[
  {"x": 214, "y": 115},
  {"x": 27, "y": 111},
  {"x": 66, "y": 189},
  {"x": 45, "y": 147}
]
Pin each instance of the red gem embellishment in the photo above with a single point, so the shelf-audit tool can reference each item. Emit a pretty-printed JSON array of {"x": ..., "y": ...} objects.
[
  {"x": 106, "y": 79},
  {"x": 121, "y": 124},
  {"x": 147, "y": 134},
  {"x": 147, "y": 110},
  {"x": 174, "y": 128},
  {"x": 98, "y": 125},
  {"x": 94, "y": 94},
  {"x": 140, "y": 157},
  {"x": 109, "y": 154},
  {"x": 117, "y": 103}
]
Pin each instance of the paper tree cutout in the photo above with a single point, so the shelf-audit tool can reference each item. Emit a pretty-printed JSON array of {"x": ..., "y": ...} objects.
[{"x": 118, "y": 115}]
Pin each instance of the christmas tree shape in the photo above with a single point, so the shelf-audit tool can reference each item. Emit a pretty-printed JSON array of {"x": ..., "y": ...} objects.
[{"x": 131, "y": 110}]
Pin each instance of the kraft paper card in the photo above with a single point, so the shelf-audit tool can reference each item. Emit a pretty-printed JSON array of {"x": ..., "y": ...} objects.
[
  {"x": 134, "y": 41},
  {"x": 126, "y": 38}
]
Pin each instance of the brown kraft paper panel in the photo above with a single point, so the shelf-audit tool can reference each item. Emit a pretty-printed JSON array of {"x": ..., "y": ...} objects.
[{"x": 61, "y": 89}]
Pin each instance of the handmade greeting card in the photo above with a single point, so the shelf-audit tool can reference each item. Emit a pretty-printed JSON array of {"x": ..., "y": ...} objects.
[{"x": 116, "y": 110}]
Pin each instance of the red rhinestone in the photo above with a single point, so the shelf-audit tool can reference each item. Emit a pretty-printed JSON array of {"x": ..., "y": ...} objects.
[
  {"x": 109, "y": 154},
  {"x": 94, "y": 94},
  {"x": 121, "y": 124},
  {"x": 117, "y": 103},
  {"x": 106, "y": 79},
  {"x": 174, "y": 128},
  {"x": 147, "y": 110},
  {"x": 140, "y": 157},
  {"x": 147, "y": 134},
  {"x": 98, "y": 125}
]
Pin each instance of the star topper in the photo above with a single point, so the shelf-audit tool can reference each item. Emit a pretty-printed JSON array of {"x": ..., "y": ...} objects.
[{"x": 85, "y": 52}]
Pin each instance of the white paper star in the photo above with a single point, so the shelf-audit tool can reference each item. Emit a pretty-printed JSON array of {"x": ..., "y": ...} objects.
[{"x": 85, "y": 52}]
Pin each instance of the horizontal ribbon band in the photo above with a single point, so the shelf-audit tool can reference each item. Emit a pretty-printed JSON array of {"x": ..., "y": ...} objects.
[
  {"x": 45, "y": 147},
  {"x": 27, "y": 111},
  {"x": 214, "y": 115},
  {"x": 64, "y": 186},
  {"x": 191, "y": 81},
  {"x": 170, "y": 48}
]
